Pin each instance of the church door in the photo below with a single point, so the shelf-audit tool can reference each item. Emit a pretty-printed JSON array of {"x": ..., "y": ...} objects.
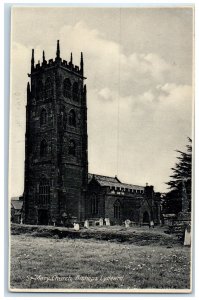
[
  {"x": 42, "y": 217},
  {"x": 145, "y": 217}
]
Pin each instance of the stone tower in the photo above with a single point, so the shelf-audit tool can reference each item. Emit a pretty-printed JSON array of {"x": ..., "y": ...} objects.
[{"x": 56, "y": 162}]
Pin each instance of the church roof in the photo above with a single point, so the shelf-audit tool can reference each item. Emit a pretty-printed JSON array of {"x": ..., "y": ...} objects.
[
  {"x": 113, "y": 182},
  {"x": 103, "y": 179},
  {"x": 17, "y": 204}
]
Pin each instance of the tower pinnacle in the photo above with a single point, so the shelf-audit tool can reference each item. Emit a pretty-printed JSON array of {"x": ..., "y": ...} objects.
[
  {"x": 44, "y": 57},
  {"x": 32, "y": 60},
  {"x": 58, "y": 50},
  {"x": 82, "y": 64},
  {"x": 71, "y": 58}
]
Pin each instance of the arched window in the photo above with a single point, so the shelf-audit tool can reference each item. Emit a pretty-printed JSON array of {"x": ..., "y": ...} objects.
[
  {"x": 40, "y": 90},
  {"x": 44, "y": 192},
  {"x": 72, "y": 118},
  {"x": 117, "y": 210},
  {"x": 43, "y": 117},
  {"x": 72, "y": 148},
  {"x": 75, "y": 91},
  {"x": 64, "y": 120},
  {"x": 94, "y": 205},
  {"x": 48, "y": 88},
  {"x": 43, "y": 148},
  {"x": 67, "y": 88}
]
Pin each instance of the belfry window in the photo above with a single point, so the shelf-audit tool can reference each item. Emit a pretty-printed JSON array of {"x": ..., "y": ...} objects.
[
  {"x": 117, "y": 210},
  {"x": 43, "y": 117},
  {"x": 44, "y": 192},
  {"x": 72, "y": 118},
  {"x": 48, "y": 88},
  {"x": 94, "y": 205},
  {"x": 40, "y": 90},
  {"x": 75, "y": 91},
  {"x": 43, "y": 148},
  {"x": 67, "y": 88},
  {"x": 72, "y": 148}
]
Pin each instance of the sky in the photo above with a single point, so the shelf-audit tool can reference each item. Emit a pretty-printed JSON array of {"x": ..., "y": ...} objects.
[{"x": 138, "y": 64}]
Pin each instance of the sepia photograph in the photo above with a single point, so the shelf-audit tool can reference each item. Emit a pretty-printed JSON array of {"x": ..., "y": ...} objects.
[{"x": 100, "y": 149}]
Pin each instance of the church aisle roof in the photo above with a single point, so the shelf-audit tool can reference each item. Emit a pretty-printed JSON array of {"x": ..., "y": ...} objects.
[
  {"x": 113, "y": 182},
  {"x": 16, "y": 204}
]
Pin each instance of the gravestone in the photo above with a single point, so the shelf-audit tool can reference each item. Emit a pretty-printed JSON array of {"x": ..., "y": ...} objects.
[
  {"x": 101, "y": 222},
  {"x": 187, "y": 236},
  {"x": 53, "y": 220},
  {"x": 183, "y": 220},
  {"x": 107, "y": 221},
  {"x": 127, "y": 223},
  {"x": 152, "y": 224},
  {"x": 76, "y": 226},
  {"x": 86, "y": 224}
]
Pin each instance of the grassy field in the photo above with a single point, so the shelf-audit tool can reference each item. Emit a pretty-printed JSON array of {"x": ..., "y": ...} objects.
[{"x": 43, "y": 262}]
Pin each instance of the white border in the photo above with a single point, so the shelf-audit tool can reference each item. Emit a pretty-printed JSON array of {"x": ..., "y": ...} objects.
[{"x": 2, "y": 122}]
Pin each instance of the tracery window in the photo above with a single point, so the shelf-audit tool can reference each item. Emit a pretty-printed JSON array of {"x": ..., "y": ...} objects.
[
  {"x": 43, "y": 117},
  {"x": 44, "y": 192},
  {"x": 94, "y": 204},
  {"x": 48, "y": 88},
  {"x": 72, "y": 148},
  {"x": 43, "y": 148},
  {"x": 117, "y": 209},
  {"x": 75, "y": 91},
  {"x": 67, "y": 88},
  {"x": 72, "y": 118}
]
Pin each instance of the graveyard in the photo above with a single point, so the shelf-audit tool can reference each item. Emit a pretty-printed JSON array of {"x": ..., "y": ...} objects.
[{"x": 102, "y": 257}]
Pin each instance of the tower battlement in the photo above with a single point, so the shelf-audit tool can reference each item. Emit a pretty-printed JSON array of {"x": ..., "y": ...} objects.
[{"x": 58, "y": 61}]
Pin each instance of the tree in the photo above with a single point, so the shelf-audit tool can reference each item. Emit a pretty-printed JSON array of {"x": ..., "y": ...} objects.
[{"x": 181, "y": 173}]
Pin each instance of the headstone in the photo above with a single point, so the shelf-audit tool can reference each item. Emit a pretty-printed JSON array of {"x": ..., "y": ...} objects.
[
  {"x": 86, "y": 224},
  {"x": 107, "y": 221},
  {"x": 127, "y": 223},
  {"x": 187, "y": 236},
  {"x": 101, "y": 222},
  {"x": 21, "y": 220},
  {"x": 53, "y": 220},
  {"x": 76, "y": 226},
  {"x": 152, "y": 224}
]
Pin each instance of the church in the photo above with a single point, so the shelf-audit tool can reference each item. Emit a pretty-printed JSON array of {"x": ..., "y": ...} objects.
[{"x": 57, "y": 185}]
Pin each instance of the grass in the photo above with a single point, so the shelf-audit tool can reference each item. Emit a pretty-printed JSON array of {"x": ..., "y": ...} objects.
[{"x": 51, "y": 262}]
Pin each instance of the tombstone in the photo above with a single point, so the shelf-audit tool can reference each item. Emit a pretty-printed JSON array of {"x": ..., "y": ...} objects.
[
  {"x": 86, "y": 224},
  {"x": 187, "y": 236},
  {"x": 152, "y": 224},
  {"x": 127, "y": 223},
  {"x": 101, "y": 222},
  {"x": 76, "y": 226},
  {"x": 53, "y": 220},
  {"x": 21, "y": 220},
  {"x": 107, "y": 221}
]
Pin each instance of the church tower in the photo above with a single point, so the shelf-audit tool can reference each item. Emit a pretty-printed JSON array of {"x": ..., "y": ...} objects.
[{"x": 56, "y": 162}]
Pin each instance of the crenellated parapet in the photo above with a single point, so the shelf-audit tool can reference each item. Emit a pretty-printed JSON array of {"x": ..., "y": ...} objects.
[{"x": 58, "y": 61}]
